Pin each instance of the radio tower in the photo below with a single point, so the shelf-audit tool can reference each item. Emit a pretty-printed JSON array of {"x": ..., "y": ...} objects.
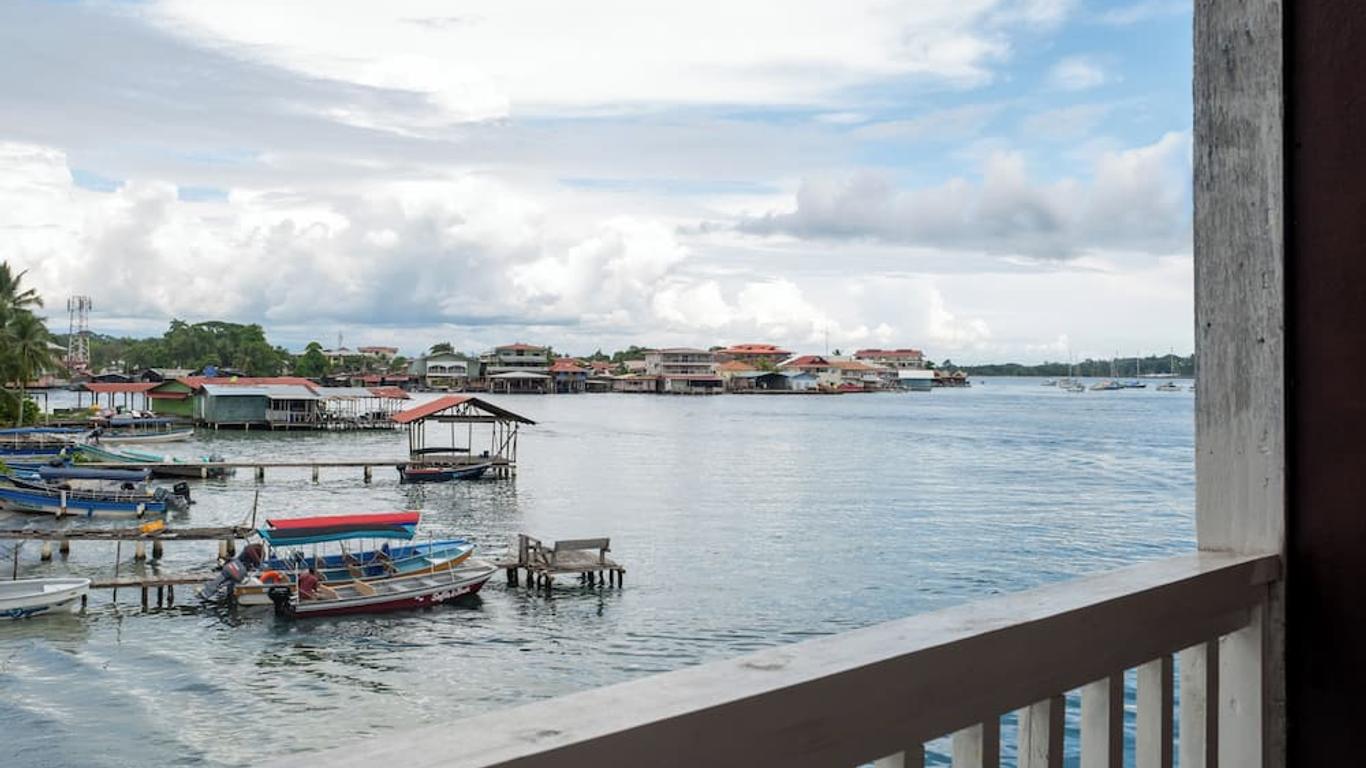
[{"x": 78, "y": 334}]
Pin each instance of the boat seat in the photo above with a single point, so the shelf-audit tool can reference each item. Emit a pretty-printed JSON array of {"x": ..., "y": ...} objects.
[{"x": 364, "y": 589}]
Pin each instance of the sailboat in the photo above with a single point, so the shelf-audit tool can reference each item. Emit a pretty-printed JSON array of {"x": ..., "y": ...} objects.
[
  {"x": 1170, "y": 386},
  {"x": 1110, "y": 384},
  {"x": 1136, "y": 382}
]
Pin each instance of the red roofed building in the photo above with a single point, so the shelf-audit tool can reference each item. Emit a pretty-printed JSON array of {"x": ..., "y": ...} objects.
[
  {"x": 754, "y": 354},
  {"x": 827, "y": 374},
  {"x": 892, "y": 358},
  {"x": 569, "y": 376}
]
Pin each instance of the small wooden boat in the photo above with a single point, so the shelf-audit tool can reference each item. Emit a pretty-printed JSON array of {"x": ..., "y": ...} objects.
[
  {"x": 23, "y": 598},
  {"x": 418, "y": 473},
  {"x": 396, "y": 593},
  {"x": 383, "y": 579},
  {"x": 36, "y": 442},
  {"x": 142, "y": 430},
  {"x": 19, "y": 495},
  {"x": 165, "y": 466}
]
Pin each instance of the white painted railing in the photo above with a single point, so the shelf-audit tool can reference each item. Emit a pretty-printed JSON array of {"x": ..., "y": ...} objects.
[{"x": 879, "y": 693}]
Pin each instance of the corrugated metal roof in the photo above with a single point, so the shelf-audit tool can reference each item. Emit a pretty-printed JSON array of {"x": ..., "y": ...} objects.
[
  {"x": 233, "y": 390},
  {"x": 271, "y": 391},
  {"x": 433, "y": 407}
]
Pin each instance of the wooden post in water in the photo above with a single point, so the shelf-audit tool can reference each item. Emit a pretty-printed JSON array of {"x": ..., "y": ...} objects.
[
  {"x": 64, "y": 547},
  {"x": 260, "y": 474},
  {"x": 367, "y": 475},
  {"x": 140, "y": 550},
  {"x": 156, "y": 549},
  {"x": 315, "y": 473},
  {"x": 223, "y": 550},
  {"x": 170, "y": 595},
  {"x": 46, "y": 553}
]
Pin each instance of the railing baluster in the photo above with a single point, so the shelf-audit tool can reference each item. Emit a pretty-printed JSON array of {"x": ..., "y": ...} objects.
[
  {"x": 1200, "y": 706},
  {"x": 913, "y": 757},
  {"x": 978, "y": 746},
  {"x": 1102, "y": 723},
  {"x": 1041, "y": 728},
  {"x": 1154, "y": 735}
]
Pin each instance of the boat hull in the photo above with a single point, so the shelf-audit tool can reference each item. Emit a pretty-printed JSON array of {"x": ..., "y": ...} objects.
[
  {"x": 393, "y": 594},
  {"x": 173, "y": 436},
  {"x": 411, "y": 474},
  {"x": 23, "y": 500},
  {"x": 26, "y": 598}
]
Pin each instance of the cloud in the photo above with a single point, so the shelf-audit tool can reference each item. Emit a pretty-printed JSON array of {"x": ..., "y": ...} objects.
[
  {"x": 955, "y": 123},
  {"x": 1135, "y": 200},
  {"x": 527, "y": 57},
  {"x": 1078, "y": 73},
  {"x": 1066, "y": 123}
]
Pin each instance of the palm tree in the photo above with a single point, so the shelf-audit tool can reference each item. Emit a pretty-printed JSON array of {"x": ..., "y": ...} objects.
[
  {"x": 12, "y": 293},
  {"x": 27, "y": 339},
  {"x": 439, "y": 347}
]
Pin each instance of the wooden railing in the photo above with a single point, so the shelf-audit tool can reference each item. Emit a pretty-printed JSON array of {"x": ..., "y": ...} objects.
[{"x": 877, "y": 694}]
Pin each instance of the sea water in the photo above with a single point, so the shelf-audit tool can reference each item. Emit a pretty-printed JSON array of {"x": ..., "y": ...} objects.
[{"x": 744, "y": 522}]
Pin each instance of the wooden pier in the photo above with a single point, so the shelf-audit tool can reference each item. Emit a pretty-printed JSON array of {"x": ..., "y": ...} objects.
[
  {"x": 505, "y": 467},
  {"x": 585, "y": 558}
]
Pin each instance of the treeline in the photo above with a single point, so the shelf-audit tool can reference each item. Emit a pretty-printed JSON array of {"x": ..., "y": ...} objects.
[
  {"x": 192, "y": 345},
  {"x": 1123, "y": 367}
]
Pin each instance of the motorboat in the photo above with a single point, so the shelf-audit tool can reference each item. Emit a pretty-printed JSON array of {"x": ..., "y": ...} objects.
[
  {"x": 435, "y": 473},
  {"x": 91, "y": 497},
  {"x": 26, "y": 598}
]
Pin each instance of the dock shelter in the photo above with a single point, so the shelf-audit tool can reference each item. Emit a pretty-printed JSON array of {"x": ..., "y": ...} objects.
[{"x": 441, "y": 432}]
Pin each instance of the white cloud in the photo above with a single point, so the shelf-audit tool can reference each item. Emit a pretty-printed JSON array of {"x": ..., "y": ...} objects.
[
  {"x": 1144, "y": 10},
  {"x": 1078, "y": 73},
  {"x": 1136, "y": 199},
  {"x": 532, "y": 57}
]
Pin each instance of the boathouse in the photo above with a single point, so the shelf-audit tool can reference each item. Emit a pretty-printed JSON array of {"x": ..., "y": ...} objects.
[
  {"x": 455, "y": 430},
  {"x": 569, "y": 377}
]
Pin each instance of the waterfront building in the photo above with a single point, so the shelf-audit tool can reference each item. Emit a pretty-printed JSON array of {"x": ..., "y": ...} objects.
[
  {"x": 732, "y": 373},
  {"x": 915, "y": 380},
  {"x": 635, "y": 383},
  {"x": 163, "y": 374},
  {"x": 684, "y": 370},
  {"x": 758, "y": 355},
  {"x": 448, "y": 371},
  {"x": 568, "y": 376},
  {"x": 855, "y": 375},
  {"x": 822, "y": 368},
  {"x": 892, "y": 358},
  {"x": 951, "y": 379},
  {"x": 524, "y": 358},
  {"x": 338, "y": 356},
  {"x": 634, "y": 366}
]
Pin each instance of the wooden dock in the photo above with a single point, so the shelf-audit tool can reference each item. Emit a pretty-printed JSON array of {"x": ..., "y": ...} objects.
[
  {"x": 585, "y": 558},
  {"x": 503, "y": 465}
]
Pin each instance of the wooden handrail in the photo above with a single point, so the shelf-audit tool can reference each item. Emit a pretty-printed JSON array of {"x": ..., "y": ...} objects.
[{"x": 859, "y": 695}]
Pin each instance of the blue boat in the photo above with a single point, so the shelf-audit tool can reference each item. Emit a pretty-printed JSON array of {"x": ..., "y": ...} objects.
[
  {"x": 127, "y": 503},
  {"x": 373, "y": 563},
  {"x": 36, "y": 442},
  {"x": 417, "y": 473}
]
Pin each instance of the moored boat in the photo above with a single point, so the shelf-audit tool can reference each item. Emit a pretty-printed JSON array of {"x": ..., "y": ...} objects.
[
  {"x": 362, "y": 581},
  {"x": 162, "y": 466},
  {"x": 418, "y": 473},
  {"x": 24, "y": 598},
  {"x": 36, "y": 442},
  {"x": 139, "y": 501},
  {"x": 120, "y": 430}
]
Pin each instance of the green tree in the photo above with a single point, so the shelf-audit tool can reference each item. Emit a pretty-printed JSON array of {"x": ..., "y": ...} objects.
[
  {"x": 27, "y": 341},
  {"x": 312, "y": 363},
  {"x": 439, "y": 347}
]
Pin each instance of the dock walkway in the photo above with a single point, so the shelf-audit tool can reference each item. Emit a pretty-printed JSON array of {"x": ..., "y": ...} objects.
[{"x": 585, "y": 558}]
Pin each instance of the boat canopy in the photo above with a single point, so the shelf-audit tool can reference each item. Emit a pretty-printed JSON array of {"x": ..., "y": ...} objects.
[
  {"x": 282, "y": 532},
  {"x": 94, "y": 473},
  {"x": 42, "y": 431},
  {"x": 121, "y": 420}
]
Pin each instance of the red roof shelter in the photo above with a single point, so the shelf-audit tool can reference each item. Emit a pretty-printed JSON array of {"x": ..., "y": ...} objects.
[{"x": 464, "y": 411}]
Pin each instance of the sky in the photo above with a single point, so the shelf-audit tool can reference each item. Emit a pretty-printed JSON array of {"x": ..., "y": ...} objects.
[{"x": 986, "y": 180}]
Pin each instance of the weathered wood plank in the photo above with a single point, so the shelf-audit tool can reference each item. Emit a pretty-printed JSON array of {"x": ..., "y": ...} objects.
[
  {"x": 978, "y": 746},
  {"x": 1240, "y": 215},
  {"x": 1102, "y": 723},
  {"x": 856, "y": 696},
  {"x": 1153, "y": 743},
  {"x": 1040, "y": 743},
  {"x": 1199, "y": 715}
]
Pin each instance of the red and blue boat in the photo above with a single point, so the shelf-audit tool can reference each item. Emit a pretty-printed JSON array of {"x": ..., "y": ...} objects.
[
  {"x": 441, "y": 473},
  {"x": 377, "y": 579}
]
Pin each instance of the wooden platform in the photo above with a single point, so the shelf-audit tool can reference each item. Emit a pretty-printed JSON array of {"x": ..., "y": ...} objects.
[
  {"x": 126, "y": 534},
  {"x": 585, "y": 558}
]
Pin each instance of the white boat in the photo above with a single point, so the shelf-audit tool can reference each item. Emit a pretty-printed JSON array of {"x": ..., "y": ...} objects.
[{"x": 22, "y": 598}]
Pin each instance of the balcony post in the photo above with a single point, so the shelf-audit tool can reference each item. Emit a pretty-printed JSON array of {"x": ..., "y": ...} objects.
[{"x": 1239, "y": 158}]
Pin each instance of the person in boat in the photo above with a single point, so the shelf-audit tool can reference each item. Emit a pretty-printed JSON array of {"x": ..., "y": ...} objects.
[{"x": 312, "y": 588}]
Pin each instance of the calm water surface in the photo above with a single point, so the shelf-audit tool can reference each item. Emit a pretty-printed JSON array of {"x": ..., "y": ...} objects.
[{"x": 744, "y": 522}]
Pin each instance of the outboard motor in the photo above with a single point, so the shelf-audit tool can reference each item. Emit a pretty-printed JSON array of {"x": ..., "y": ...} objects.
[
  {"x": 182, "y": 489},
  {"x": 170, "y": 499},
  {"x": 283, "y": 598},
  {"x": 232, "y": 573}
]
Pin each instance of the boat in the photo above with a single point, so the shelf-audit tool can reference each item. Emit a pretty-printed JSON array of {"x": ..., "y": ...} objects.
[
  {"x": 25, "y": 598},
  {"x": 126, "y": 501},
  {"x": 1050, "y": 382},
  {"x": 420, "y": 473},
  {"x": 1106, "y": 385},
  {"x": 1075, "y": 387},
  {"x": 1169, "y": 386},
  {"x": 1135, "y": 383},
  {"x": 121, "y": 428},
  {"x": 383, "y": 579},
  {"x": 163, "y": 466},
  {"x": 37, "y": 442}
]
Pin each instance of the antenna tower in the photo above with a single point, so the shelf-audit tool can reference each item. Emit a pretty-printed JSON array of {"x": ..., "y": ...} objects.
[{"x": 78, "y": 334}]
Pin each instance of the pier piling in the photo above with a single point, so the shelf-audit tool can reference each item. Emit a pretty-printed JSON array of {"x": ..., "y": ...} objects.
[
  {"x": 140, "y": 552},
  {"x": 46, "y": 553},
  {"x": 156, "y": 549},
  {"x": 64, "y": 547}
]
